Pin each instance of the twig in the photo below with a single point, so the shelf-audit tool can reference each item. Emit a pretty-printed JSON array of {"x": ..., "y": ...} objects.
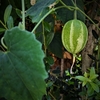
[{"x": 62, "y": 67}]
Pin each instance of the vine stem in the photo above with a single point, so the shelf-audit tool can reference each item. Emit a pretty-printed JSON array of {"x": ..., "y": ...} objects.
[
  {"x": 3, "y": 24},
  {"x": 71, "y": 8},
  {"x": 71, "y": 72},
  {"x": 52, "y": 96},
  {"x": 3, "y": 43},
  {"x": 2, "y": 48},
  {"x": 68, "y": 7},
  {"x": 23, "y": 14},
  {"x": 87, "y": 17}
]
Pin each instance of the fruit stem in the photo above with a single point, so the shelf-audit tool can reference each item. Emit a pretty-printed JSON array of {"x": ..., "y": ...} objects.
[
  {"x": 75, "y": 11},
  {"x": 71, "y": 72}
]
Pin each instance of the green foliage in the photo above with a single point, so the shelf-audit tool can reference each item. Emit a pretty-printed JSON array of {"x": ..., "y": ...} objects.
[
  {"x": 91, "y": 81},
  {"x": 22, "y": 58},
  {"x": 48, "y": 33}
]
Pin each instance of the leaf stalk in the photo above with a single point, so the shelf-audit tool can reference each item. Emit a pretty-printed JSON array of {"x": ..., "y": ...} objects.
[{"x": 23, "y": 14}]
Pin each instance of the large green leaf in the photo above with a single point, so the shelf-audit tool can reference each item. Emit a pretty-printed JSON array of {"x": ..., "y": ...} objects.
[{"x": 22, "y": 71}]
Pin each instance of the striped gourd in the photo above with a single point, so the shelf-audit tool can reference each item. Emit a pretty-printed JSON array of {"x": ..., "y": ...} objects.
[{"x": 74, "y": 36}]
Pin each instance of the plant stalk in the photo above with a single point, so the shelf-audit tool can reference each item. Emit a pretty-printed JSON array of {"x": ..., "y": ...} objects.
[
  {"x": 75, "y": 12},
  {"x": 88, "y": 17},
  {"x": 52, "y": 96},
  {"x": 3, "y": 24},
  {"x": 23, "y": 14},
  {"x": 71, "y": 69}
]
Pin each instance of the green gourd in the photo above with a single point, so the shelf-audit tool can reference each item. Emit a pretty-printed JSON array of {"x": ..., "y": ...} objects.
[{"x": 74, "y": 37}]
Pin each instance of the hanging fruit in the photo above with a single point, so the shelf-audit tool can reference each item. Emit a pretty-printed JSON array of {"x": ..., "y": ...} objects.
[{"x": 74, "y": 36}]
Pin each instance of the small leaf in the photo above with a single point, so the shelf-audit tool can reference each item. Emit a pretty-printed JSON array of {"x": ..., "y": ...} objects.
[
  {"x": 19, "y": 13},
  {"x": 20, "y": 25},
  {"x": 92, "y": 74},
  {"x": 49, "y": 84},
  {"x": 7, "y": 13},
  {"x": 48, "y": 97},
  {"x": 84, "y": 83},
  {"x": 83, "y": 92},
  {"x": 96, "y": 36},
  {"x": 92, "y": 71},
  {"x": 86, "y": 74},
  {"x": 93, "y": 77},
  {"x": 47, "y": 26},
  {"x": 97, "y": 82},
  {"x": 49, "y": 37},
  {"x": 90, "y": 91},
  {"x": 97, "y": 96},
  {"x": 95, "y": 87},
  {"x": 49, "y": 34},
  {"x": 49, "y": 60},
  {"x": 81, "y": 78},
  {"x": 10, "y": 22},
  {"x": 2, "y": 29}
]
